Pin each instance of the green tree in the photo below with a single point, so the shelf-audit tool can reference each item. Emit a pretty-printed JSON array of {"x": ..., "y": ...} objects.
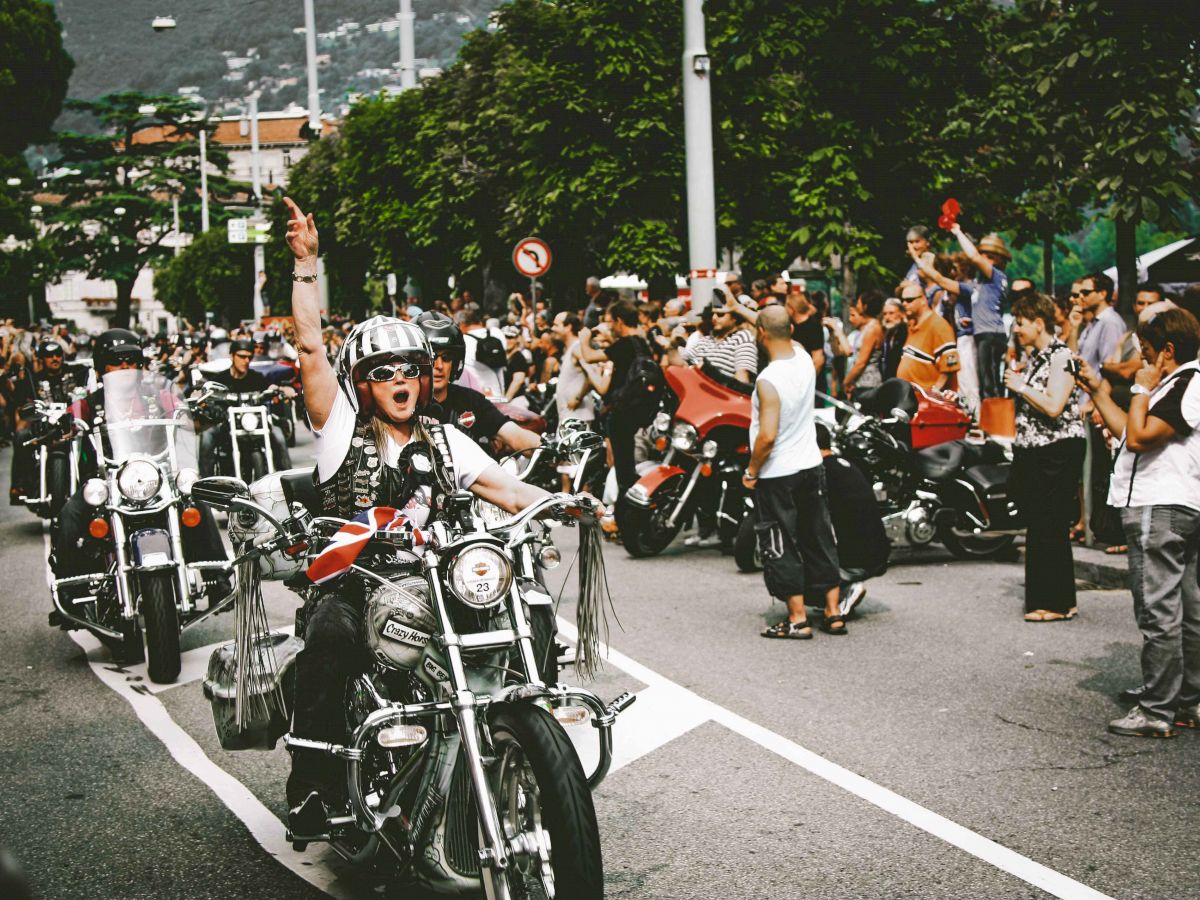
[
  {"x": 115, "y": 188},
  {"x": 34, "y": 69},
  {"x": 211, "y": 275}
]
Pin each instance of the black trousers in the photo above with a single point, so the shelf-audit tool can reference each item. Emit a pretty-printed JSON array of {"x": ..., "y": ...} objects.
[
  {"x": 22, "y": 462},
  {"x": 1043, "y": 481},
  {"x": 621, "y": 432},
  {"x": 334, "y": 651},
  {"x": 795, "y": 535},
  {"x": 76, "y": 553}
]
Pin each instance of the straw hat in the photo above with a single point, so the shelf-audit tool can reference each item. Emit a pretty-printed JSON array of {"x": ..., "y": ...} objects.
[{"x": 993, "y": 243}]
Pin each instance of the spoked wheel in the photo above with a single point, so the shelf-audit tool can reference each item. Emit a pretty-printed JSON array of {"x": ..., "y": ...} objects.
[
  {"x": 975, "y": 546},
  {"x": 161, "y": 626},
  {"x": 545, "y": 809}
]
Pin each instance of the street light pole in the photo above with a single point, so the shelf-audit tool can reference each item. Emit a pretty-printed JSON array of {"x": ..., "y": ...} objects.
[
  {"x": 697, "y": 124},
  {"x": 256, "y": 182},
  {"x": 310, "y": 49},
  {"x": 408, "y": 70},
  {"x": 204, "y": 175}
]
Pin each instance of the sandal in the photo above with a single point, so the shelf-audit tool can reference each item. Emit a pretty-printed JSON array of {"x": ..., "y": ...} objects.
[
  {"x": 1077, "y": 534},
  {"x": 1117, "y": 549},
  {"x": 1045, "y": 615},
  {"x": 797, "y": 631},
  {"x": 828, "y": 623}
]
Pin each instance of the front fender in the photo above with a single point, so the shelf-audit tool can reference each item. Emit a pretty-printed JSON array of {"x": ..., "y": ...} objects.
[
  {"x": 150, "y": 548},
  {"x": 642, "y": 493}
]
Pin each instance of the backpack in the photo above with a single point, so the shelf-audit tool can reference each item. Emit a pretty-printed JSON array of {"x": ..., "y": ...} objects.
[
  {"x": 489, "y": 351},
  {"x": 642, "y": 393}
]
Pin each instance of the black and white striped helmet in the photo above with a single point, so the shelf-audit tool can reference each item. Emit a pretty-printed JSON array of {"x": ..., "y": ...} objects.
[{"x": 379, "y": 339}]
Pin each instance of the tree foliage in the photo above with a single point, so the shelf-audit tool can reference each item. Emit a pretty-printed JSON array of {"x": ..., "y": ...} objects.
[
  {"x": 114, "y": 189},
  {"x": 211, "y": 275},
  {"x": 34, "y": 69}
]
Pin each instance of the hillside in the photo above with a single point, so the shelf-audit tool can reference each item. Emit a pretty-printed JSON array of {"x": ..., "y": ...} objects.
[{"x": 226, "y": 49}]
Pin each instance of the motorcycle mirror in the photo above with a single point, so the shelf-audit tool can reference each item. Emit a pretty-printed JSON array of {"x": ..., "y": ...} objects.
[
  {"x": 219, "y": 491},
  {"x": 901, "y": 416}
]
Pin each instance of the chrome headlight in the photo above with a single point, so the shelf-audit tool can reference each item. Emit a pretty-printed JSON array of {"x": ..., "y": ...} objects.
[
  {"x": 684, "y": 436},
  {"x": 662, "y": 422},
  {"x": 95, "y": 492},
  {"x": 249, "y": 422},
  {"x": 139, "y": 480},
  {"x": 480, "y": 576},
  {"x": 185, "y": 479},
  {"x": 709, "y": 450}
]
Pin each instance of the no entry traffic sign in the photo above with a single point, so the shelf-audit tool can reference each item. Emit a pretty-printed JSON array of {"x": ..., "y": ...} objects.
[{"x": 532, "y": 257}]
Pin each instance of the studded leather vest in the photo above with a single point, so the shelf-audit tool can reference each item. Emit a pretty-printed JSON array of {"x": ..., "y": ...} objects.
[
  {"x": 364, "y": 480},
  {"x": 56, "y": 390}
]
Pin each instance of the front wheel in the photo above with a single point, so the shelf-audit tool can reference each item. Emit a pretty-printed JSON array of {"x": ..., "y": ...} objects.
[
  {"x": 646, "y": 531},
  {"x": 745, "y": 546},
  {"x": 161, "y": 626},
  {"x": 58, "y": 483},
  {"x": 975, "y": 546},
  {"x": 545, "y": 811}
]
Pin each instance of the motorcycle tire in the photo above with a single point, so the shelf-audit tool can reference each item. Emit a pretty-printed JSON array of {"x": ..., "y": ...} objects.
[
  {"x": 256, "y": 464},
  {"x": 745, "y": 546},
  {"x": 58, "y": 482},
  {"x": 160, "y": 626},
  {"x": 544, "y": 629},
  {"x": 536, "y": 764},
  {"x": 975, "y": 546}
]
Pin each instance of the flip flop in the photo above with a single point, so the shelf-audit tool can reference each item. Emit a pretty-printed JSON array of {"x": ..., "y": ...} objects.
[
  {"x": 1045, "y": 615},
  {"x": 1117, "y": 549}
]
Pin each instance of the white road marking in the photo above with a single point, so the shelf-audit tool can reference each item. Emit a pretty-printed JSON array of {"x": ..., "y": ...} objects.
[
  {"x": 690, "y": 706},
  {"x": 670, "y": 711}
]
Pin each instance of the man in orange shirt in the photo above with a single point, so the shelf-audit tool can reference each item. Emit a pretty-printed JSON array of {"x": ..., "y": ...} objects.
[{"x": 930, "y": 355}]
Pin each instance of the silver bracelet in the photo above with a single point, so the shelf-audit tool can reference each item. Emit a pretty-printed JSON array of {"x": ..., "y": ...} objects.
[{"x": 304, "y": 279}]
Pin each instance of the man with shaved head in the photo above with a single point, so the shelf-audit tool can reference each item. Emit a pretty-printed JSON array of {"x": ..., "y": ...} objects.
[{"x": 785, "y": 472}]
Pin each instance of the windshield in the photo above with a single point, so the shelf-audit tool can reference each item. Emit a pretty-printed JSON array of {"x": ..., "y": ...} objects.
[{"x": 145, "y": 416}]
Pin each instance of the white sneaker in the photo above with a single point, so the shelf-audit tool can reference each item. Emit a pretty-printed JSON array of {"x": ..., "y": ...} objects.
[
  {"x": 851, "y": 597},
  {"x": 703, "y": 541}
]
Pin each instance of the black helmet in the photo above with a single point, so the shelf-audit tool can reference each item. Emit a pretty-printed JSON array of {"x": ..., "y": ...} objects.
[
  {"x": 241, "y": 345},
  {"x": 444, "y": 337},
  {"x": 49, "y": 348},
  {"x": 115, "y": 346}
]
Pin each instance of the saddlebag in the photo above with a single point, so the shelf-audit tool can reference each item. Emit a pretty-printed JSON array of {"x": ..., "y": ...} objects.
[{"x": 220, "y": 688}]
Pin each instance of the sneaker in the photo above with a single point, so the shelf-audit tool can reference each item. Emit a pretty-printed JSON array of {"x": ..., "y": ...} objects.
[
  {"x": 703, "y": 540},
  {"x": 1136, "y": 723},
  {"x": 851, "y": 597},
  {"x": 1188, "y": 716}
]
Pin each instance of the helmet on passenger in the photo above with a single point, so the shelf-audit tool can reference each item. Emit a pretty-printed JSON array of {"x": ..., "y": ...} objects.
[
  {"x": 117, "y": 346},
  {"x": 378, "y": 340},
  {"x": 49, "y": 348},
  {"x": 445, "y": 338}
]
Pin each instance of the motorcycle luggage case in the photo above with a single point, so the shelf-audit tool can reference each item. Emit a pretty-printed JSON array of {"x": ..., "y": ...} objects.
[
  {"x": 937, "y": 421},
  {"x": 220, "y": 689},
  {"x": 991, "y": 483}
]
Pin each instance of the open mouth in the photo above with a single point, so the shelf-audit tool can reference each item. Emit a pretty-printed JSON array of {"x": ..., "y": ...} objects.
[{"x": 400, "y": 397}]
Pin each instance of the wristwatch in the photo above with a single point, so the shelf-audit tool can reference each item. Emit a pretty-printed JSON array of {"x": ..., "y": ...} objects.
[{"x": 1139, "y": 389}]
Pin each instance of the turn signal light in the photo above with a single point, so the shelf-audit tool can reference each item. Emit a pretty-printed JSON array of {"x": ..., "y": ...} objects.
[
  {"x": 571, "y": 715},
  {"x": 660, "y": 442},
  {"x": 705, "y": 469},
  {"x": 98, "y": 528},
  {"x": 190, "y": 517},
  {"x": 401, "y": 736}
]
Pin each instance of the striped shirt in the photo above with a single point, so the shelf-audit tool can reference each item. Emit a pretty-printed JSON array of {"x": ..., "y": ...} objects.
[
  {"x": 728, "y": 354},
  {"x": 929, "y": 352}
]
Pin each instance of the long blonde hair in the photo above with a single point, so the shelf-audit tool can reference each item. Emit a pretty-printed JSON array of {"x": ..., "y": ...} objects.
[{"x": 383, "y": 434}]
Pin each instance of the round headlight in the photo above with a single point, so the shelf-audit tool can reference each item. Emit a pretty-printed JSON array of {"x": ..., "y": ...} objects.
[
  {"x": 249, "y": 422},
  {"x": 139, "y": 480},
  {"x": 480, "y": 576},
  {"x": 662, "y": 422},
  {"x": 185, "y": 479},
  {"x": 709, "y": 450},
  {"x": 684, "y": 436},
  {"x": 95, "y": 492}
]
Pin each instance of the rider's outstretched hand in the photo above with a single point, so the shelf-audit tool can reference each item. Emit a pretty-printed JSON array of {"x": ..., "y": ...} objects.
[{"x": 302, "y": 231}]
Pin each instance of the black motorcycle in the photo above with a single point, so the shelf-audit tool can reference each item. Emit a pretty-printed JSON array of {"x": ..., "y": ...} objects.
[{"x": 954, "y": 493}]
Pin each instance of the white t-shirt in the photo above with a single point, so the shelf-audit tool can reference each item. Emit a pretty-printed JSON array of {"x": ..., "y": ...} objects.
[
  {"x": 795, "y": 449},
  {"x": 333, "y": 443},
  {"x": 571, "y": 382}
]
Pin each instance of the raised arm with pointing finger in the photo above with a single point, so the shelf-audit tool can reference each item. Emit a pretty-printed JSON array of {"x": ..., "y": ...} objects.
[{"x": 320, "y": 382}]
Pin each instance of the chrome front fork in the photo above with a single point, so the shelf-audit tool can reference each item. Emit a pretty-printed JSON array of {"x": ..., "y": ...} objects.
[{"x": 683, "y": 498}]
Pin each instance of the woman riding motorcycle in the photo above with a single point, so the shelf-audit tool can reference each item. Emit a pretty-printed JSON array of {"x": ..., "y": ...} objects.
[{"x": 363, "y": 415}]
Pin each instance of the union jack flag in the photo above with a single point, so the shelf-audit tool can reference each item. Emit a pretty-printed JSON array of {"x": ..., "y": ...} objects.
[{"x": 345, "y": 546}]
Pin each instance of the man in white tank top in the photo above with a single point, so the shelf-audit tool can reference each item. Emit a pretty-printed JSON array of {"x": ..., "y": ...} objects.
[{"x": 785, "y": 471}]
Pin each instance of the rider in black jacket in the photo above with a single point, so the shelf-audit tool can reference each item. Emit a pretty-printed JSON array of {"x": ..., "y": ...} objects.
[{"x": 55, "y": 383}]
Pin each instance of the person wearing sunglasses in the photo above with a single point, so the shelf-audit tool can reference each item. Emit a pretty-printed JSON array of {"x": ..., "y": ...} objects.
[
  {"x": 462, "y": 406},
  {"x": 366, "y": 415},
  {"x": 239, "y": 378}
]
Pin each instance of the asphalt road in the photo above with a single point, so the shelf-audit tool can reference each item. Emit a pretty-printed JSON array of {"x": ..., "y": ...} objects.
[{"x": 943, "y": 749}]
